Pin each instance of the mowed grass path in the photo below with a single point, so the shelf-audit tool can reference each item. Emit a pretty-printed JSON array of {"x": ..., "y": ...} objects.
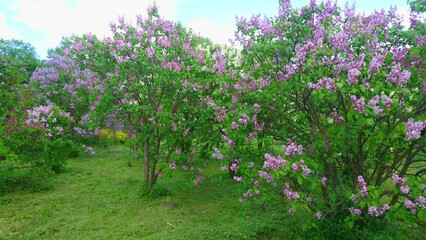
[{"x": 98, "y": 197}]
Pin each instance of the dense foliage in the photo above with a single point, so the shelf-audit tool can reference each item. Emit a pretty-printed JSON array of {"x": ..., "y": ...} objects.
[{"x": 319, "y": 107}]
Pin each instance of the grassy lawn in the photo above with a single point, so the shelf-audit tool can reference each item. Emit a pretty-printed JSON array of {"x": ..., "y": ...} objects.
[{"x": 98, "y": 197}]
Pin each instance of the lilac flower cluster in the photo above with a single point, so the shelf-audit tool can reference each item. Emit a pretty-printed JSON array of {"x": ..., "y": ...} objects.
[
  {"x": 301, "y": 166},
  {"x": 399, "y": 181},
  {"x": 217, "y": 154},
  {"x": 326, "y": 82},
  {"x": 397, "y": 77},
  {"x": 355, "y": 211},
  {"x": 376, "y": 212},
  {"x": 413, "y": 129},
  {"x": 89, "y": 150},
  {"x": 292, "y": 149},
  {"x": 339, "y": 118},
  {"x": 353, "y": 75},
  {"x": 273, "y": 162},
  {"x": 362, "y": 186},
  {"x": 292, "y": 196},
  {"x": 220, "y": 62},
  {"x": 265, "y": 176},
  {"x": 358, "y": 103},
  {"x": 250, "y": 194}
]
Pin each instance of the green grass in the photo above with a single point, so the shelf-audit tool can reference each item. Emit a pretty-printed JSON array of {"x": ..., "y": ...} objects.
[{"x": 98, "y": 197}]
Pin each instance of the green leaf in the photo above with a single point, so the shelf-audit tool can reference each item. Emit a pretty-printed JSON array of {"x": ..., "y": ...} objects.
[
  {"x": 422, "y": 215},
  {"x": 300, "y": 179}
]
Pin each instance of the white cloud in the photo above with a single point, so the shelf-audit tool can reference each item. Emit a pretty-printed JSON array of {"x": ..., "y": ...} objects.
[
  {"x": 7, "y": 32},
  {"x": 59, "y": 18},
  {"x": 217, "y": 32}
]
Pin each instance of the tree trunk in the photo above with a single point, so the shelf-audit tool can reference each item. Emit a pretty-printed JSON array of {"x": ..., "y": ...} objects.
[{"x": 146, "y": 162}]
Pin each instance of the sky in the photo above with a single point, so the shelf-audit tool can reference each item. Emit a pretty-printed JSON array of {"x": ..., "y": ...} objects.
[{"x": 43, "y": 23}]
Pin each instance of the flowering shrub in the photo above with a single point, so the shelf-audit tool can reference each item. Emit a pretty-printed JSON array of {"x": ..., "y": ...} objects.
[
  {"x": 152, "y": 79},
  {"x": 40, "y": 137},
  {"x": 336, "y": 90}
]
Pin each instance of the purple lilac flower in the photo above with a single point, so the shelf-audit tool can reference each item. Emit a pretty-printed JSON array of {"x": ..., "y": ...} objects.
[
  {"x": 273, "y": 162},
  {"x": 377, "y": 62},
  {"x": 319, "y": 215},
  {"x": 353, "y": 75},
  {"x": 376, "y": 212},
  {"x": 421, "y": 41},
  {"x": 291, "y": 211},
  {"x": 234, "y": 126},
  {"x": 217, "y": 154},
  {"x": 324, "y": 180},
  {"x": 413, "y": 129},
  {"x": 421, "y": 201},
  {"x": 363, "y": 186},
  {"x": 358, "y": 103},
  {"x": 233, "y": 167},
  {"x": 290, "y": 194},
  {"x": 174, "y": 126},
  {"x": 238, "y": 178},
  {"x": 397, "y": 77},
  {"x": 355, "y": 211},
  {"x": 410, "y": 205},
  {"x": 339, "y": 118},
  {"x": 292, "y": 149},
  {"x": 387, "y": 101},
  {"x": 374, "y": 103},
  {"x": 266, "y": 176},
  {"x": 404, "y": 189}
]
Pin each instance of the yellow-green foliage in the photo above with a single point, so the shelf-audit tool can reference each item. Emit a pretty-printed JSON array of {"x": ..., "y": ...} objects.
[
  {"x": 109, "y": 136},
  {"x": 121, "y": 136}
]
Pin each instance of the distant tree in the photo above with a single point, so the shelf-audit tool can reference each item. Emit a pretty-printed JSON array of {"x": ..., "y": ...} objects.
[{"x": 18, "y": 60}]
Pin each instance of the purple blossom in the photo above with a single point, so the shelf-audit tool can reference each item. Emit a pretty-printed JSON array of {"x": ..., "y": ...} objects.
[
  {"x": 413, "y": 129},
  {"x": 421, "y": 41},
  {"x": 397, "y": 77},
  {"x": 363, "y": 186},
  {"x": 185, "y": 132},
  {"x": 358, "y": 103},
  {"x": 217, "y": 154},
  {"x": 324, "y": 180},
  {"x": 238, "y": 178},
  {"x": 290, "y": 194},
  {"x": 397, "y": 179},
  {"x": 220, "y": 62},
  {"x": 265, "y": 176},
  {"x": 319, "y": 215},
  {"x": 174, "y": 126},
  {"x": 233, "y": 167},
  {"x": 292, "y": 149},
  {"x": 377, "y": 62},
  {"x": 373, "y": 102},
  {"x": 326, "y": 82},
  {"x": 150, "y": 52},
  {"x": 273, "y": 162},
  {"x": 355, "y": 211},
  {"x": 421, "y": 201},
  {"x": 291, "y": 211},
  {"x": 410, "y": 205},
  {"x": 89, "y": 150},
  {"x": 404, "y": 189},
  {"x": 387, "y": 101},
  {"x": 353, "y": 75},
  {"x": 339, "y": 118},
  {"x": 376, "y": 212}
]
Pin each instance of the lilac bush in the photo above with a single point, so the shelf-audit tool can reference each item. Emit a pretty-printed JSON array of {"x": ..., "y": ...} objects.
[
  {"x": 338, "y": 91},
  {"x": 153, "y": 79}
]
